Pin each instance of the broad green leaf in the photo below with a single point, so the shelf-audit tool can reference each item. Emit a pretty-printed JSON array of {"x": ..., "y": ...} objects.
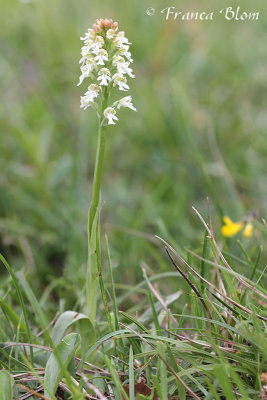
[
  {"x": 58, "y": 362},
  {"x": 6, "y": 386},
  {"x": 66, "y": 320}
]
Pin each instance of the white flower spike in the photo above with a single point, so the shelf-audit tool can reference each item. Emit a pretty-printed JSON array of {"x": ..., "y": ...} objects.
[{"x": 106, "y": 62}]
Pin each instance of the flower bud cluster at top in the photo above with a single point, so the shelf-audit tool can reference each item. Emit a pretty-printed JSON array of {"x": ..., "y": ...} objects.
[{"x": 106, "y": 60}]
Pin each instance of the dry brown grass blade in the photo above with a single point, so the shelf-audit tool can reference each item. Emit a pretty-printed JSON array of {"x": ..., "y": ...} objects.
[
  {"x": 161, "y": 301},
  {"x": 189, "y": 283},
  {"x": 98, "y": 393},
  {"x": 205, "y": 345},
  {"x": 12, "y": 344},
  {"x": 48, "y": 326},
  {"x": 31, "y": 392}
]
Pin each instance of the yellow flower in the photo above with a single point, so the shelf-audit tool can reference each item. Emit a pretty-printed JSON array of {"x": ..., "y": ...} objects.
[
  {"x": 231, "y": 228},
  {"x": 248, "y": 230}
]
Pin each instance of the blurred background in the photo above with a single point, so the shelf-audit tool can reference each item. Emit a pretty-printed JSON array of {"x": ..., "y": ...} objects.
[{"x": 200, "y": 130}]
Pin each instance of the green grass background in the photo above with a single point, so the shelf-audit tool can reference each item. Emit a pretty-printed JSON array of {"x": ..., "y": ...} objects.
[{"x": 200, "y": 130}]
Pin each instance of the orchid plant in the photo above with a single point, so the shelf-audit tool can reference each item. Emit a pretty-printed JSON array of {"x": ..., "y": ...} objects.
[{"x": 105, "y": 61}]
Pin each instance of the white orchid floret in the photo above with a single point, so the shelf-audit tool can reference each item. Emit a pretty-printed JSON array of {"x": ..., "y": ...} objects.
[
  {"x": 110, "y": 34},
  {"x": 86, "y": 50},
  {"x": 123, "y": 51},
  {"x": 110, "y": 114},
  {"x": 88, "y": 99},
  {"x": 123, "y": 68},
  {"x": 86, "y": 102},
  {"x": 117, "y": 59},
  {"x": 93, "y": 91},
  {"x": 126, "y": 102},
  {"x": 120, "y": 39},
  {"x": 97, "y": 43},
  {"x": 87, "y": 56},
  {"x": 122, "y": 65},
  {"x": 121, "y": 81},
  {"x": 88, "y": 66},
  {"x": 90, "y": 35},
  {"x": 87, "y": 70},
  {"x": 101, "y": 56},
  {"x": 104, "y": 76}
]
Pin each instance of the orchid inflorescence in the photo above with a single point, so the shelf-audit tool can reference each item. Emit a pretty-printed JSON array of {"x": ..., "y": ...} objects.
[{"x": 106, "y": 60}]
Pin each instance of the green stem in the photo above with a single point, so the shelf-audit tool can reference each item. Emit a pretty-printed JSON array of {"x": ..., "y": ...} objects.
[
  {"x": 98, "y": 166},
  {"x": 97, "y": 175},
  {"x": 93, "y": 267}
]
